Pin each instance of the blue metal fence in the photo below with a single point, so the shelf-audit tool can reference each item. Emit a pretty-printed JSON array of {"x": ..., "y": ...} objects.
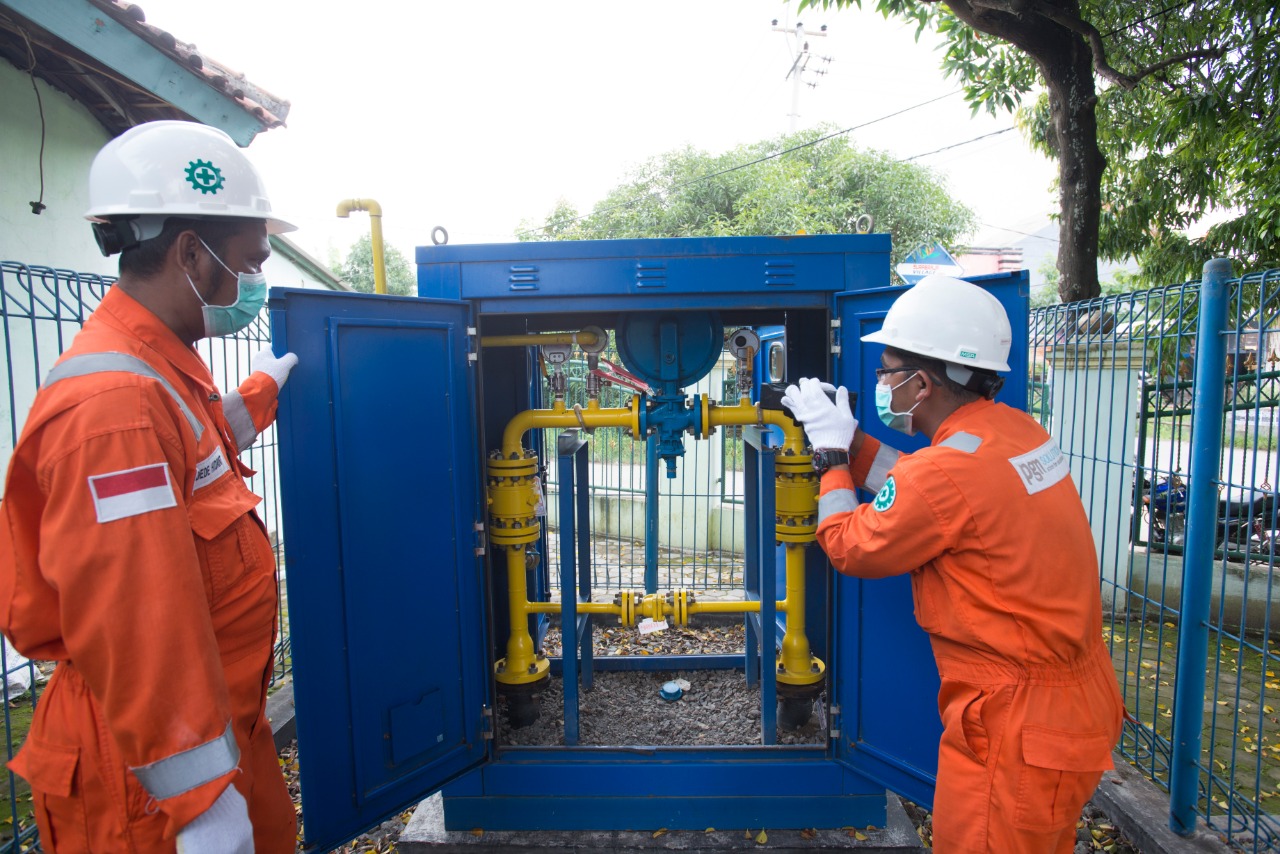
[
  {"x": 41, "y": 309},
  {"x": 1166, "y": 402}
]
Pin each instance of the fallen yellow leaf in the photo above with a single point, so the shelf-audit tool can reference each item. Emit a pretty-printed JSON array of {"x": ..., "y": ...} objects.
[
  {"x": 762, "y": 838},
  {"x": 477, "y": 831},
  {"x": 662, "y": 831},
  {"x": 860, "y": 836}
]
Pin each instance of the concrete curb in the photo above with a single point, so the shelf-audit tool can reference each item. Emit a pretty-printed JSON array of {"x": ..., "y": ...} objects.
[
  {"x": 284, "y": 726},
  {"x": 425, "y": 833},
  {"x": 1141, "y": 811}
]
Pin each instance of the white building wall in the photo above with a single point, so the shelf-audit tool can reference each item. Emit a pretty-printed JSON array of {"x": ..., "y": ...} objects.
[{"x": 59, "y": 237}]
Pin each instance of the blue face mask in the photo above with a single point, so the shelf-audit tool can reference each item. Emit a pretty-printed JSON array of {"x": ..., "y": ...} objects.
[
  {"x": 900, "y": 421},
  {"x": 230, "y": 319}
]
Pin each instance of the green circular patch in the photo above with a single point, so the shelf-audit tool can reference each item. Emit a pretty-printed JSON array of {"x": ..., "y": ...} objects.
[{"x": 885, "y": 497}]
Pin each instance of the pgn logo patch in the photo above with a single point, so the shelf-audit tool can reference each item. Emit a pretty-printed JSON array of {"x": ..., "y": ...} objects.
[
  {"x": 1041, "y": 468},
  {"x": 886, "y": 496}
]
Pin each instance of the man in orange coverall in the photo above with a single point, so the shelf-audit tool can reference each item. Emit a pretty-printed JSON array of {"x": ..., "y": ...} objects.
[
  {"x": 130, "y": 551},
  {"x": 1003, "y": 571}
]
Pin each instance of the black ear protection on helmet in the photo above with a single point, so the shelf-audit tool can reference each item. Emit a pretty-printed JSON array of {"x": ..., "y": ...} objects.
[
  {"x": 985, "y": 383},
  {"x": 115, "y": 235}
]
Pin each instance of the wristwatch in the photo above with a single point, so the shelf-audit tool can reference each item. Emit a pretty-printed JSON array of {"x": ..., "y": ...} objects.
[{"x": 825, "y": 458}]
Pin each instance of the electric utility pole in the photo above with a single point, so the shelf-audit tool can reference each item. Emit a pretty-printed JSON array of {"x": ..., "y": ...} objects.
[{"x": 800, "y": 63}]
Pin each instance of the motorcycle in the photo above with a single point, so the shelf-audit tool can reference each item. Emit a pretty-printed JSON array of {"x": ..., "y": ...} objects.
[{"x": 1246, "y": 517}]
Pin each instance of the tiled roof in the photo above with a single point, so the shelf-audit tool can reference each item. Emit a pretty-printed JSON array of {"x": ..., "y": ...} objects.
[{"x": 119, "y": 103}]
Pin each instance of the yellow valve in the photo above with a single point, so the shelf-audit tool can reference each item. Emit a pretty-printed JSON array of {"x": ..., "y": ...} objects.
[
  {"x": 514, "y": 495},
  {"x": 796, "y": 499}
]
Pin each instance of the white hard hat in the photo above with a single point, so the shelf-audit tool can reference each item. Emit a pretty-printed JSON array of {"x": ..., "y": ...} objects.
[
  {"x": 948, "y": 319},
  {"x": 162, "y": 169}
]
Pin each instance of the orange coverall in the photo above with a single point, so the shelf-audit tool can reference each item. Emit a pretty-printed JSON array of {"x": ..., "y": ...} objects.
[
  {"x": 1004, "y": 578},
  {"x": 130, "y": 552}
]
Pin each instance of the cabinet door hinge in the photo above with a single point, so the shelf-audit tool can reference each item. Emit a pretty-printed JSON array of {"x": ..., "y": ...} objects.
[
  {"x": 479, "y": 529},
  {"x": 835, "y": 337},
  {"x": 473, "y": 353},
  {"x": 486, "y": 723}
]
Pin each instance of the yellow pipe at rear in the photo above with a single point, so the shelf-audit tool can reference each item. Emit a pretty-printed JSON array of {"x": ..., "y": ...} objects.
[{"x": 345, "y": 207}]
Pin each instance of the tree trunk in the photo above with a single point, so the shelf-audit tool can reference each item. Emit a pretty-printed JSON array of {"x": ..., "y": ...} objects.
[
  {"x": 1072, "y": 100},
  {"x": 1066, "y": 63}
]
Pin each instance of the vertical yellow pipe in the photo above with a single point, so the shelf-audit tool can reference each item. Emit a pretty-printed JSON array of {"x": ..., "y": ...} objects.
[
  {"x": 796, "y": 655},
  {"x": 520, "y": 662},
  {"x": 345, "y": 207}
]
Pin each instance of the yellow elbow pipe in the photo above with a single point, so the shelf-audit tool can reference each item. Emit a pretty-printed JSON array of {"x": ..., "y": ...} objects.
[
  {"x": 589, "y": 417},
  {"x": 746, "y": 412},
  {"x": 345, "y": 207}
]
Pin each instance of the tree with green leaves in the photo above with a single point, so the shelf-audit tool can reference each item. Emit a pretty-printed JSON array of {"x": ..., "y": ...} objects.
[
  {"x": 357, "y": 269},
  {"x": 1157, "y": 113},
  {"x": 812, "y": 182}
]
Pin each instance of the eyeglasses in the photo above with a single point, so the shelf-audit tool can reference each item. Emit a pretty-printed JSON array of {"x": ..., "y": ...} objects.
[{"x": 881, "y": 373}]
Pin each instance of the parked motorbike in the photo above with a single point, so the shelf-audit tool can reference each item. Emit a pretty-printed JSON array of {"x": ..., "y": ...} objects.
[{"x": 1246, "y": 517}]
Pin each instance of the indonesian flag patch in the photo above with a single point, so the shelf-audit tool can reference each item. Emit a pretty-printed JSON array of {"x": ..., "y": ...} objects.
[{"x": 120, "y": 494}]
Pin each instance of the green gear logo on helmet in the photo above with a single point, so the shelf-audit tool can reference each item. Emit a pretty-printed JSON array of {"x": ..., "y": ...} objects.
[
  {"x": 204, "y": 176},
  {"x": 885, "y": 497}
]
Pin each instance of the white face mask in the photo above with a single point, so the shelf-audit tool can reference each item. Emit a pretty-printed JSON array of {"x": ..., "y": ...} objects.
[{"x": 900, "y": 421}]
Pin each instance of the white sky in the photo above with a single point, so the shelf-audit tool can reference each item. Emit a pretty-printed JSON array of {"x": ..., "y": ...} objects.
[{"x": 474, "y": 116}]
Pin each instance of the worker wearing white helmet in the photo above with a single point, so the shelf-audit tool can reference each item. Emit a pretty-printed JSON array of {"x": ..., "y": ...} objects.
[
  {"x": 1004, "y": 573},
  {"x": 130, "y": 551}
]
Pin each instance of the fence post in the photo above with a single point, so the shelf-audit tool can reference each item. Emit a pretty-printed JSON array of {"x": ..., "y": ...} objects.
[{"x": 1197, "y": 566}]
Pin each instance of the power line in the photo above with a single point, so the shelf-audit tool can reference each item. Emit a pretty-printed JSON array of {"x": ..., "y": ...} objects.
[
  {"x": 956, "y": 145},
  {"x": 776, "y": 154},
  {"x": 1041, "y": 237}
]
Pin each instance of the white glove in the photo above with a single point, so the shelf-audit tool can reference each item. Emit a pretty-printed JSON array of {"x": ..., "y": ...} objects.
[
  {"x": 223, "y": 828},
  {"x": 277, "y": 369},
  {"x": 827, "y": 424}
]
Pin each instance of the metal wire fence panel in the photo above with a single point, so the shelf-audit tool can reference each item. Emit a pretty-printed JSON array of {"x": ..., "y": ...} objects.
[
  {"x": 1113, "y": 381},
  {"x": 41, "y": 309},
  {"x": 695, "y": 537}
]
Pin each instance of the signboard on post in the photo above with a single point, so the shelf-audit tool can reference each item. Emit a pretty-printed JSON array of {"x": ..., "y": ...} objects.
[{"x": 927, "y": 261}]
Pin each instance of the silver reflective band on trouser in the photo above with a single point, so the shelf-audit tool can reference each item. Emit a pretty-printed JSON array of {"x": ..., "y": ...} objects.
[
  {"x": 836, "y": 501},
  {"x": 188, "y": 769},
  {"x": 99, "y": 363},
  {"x": 239, "y": 418},
  {"x": 966, "y": 442}
]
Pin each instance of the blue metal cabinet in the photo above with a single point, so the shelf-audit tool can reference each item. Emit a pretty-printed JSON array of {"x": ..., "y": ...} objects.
[
  {"x": 379, "y": 490},
  {"x": 383, "y": 435}
]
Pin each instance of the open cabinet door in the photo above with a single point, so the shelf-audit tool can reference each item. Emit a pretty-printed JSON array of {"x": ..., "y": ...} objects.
[
  {"x": 890, "y": 699},
  {"x": 379, "y": 487}
]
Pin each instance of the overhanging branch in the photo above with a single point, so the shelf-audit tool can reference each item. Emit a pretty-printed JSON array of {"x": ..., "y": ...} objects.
[{"x": 1079, "y": 25}]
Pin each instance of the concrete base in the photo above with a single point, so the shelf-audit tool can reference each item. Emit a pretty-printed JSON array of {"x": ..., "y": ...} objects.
[
  {"x": 425, "y": 833},
  {"x": 1141, "y": 811}
]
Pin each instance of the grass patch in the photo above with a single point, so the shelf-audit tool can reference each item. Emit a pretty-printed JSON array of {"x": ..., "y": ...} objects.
[{"x": 15, "y": 798}]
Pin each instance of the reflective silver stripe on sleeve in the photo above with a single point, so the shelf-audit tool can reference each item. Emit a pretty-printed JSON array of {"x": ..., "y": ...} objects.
[
  {"x": 885, "y": 459},
  {"x": 966, "y": 442},
  {"x": 97, "y": 363},
  {"x": 239, "y": 418},
  {"x": 836, "y": 501},
  {"x": 188, "y": 769}
]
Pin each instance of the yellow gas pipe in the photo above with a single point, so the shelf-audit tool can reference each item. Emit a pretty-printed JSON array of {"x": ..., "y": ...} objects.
[
  {"x": 345, "y": 207},
  {"x": 585, "y": 337},
  {"x": 514, "y": 492}
]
